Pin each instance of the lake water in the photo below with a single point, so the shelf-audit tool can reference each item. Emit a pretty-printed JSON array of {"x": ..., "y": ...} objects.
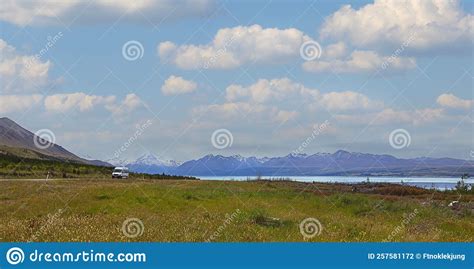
[{"x": 440, "y": 183}]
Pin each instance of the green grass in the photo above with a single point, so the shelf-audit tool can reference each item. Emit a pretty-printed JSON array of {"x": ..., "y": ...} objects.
[{"x": 197, "y": 211}]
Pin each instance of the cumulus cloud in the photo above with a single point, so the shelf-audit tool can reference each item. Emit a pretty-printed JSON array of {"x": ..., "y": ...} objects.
[
  {"x": 348, "y": 100},
  {"x": 426, "y": 24},
  {"x": 271, "y": 91},
  {"x": 360, "y": 61},
  {"x": 269, "y": 100},
  {"x": 281, "y": 100},
  {"x": 265, "y": 90},
  {"x": 335, "y": 51},
  {"x": 69, "y": 101},
  {"x": 449, "y": 100},
  {"x": 130, "y": 103},
  {"x": 178, "y": 85},
  {"x": 85, "y": 102},
  {"x": 15, "y": 103},
  {"x": 53, "y": 12},
  {"x": 233, "y": 47},
  {"x": 21, "y": 73}
]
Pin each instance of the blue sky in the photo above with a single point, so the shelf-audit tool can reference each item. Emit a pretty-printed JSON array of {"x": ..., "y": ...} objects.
[{"x": 237, "y": 65}]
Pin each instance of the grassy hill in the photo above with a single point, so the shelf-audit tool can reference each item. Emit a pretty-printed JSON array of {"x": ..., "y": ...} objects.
[{"x": 18, "y": 141}]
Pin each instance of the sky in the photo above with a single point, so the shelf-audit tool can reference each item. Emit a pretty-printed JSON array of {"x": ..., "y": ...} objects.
[{"x": 182, "y": 79}]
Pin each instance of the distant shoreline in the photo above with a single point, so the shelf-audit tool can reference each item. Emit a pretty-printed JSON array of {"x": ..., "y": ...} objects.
[{"x": 438, "y": 185}]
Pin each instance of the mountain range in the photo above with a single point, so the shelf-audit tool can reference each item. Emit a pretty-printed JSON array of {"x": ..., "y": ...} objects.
[
  {"x": 15, "y": 140},
  {"x": 339, "y": 163}
]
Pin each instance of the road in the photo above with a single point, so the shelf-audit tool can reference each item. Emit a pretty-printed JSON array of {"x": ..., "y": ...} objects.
[{"x": 36, "y": 179}]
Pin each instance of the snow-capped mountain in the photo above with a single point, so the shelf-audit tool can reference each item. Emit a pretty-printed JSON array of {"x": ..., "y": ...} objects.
[
  {"x": 340, "y": 162},
  {"x": 151, "y": 159},
  {"x": 147, "y": 163},
  {"x": 119, "y": 161}
]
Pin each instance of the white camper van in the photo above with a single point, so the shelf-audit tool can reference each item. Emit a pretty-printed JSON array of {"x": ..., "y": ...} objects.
[{"x": 120, "y": 172}]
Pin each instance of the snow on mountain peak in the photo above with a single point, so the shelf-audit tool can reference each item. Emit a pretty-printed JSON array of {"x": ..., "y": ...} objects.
[
  {"x": 118, "y": 161},
  {"x": 297, "y": 155},
  {"x": 148, "y": 159},
  {"x": 151, "y": 159},
  {"x": 239, "y": 157}
]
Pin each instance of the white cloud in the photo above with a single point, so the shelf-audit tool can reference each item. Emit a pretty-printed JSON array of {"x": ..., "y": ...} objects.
[
  {"x": 451, "y": 101},
  {"x": 15, "y": 103},
  {"x": 130, "y": 103},
  {"x": 360, "y": 61},
  {"x": 53, "y": 12},
  {"x": 281, "y": 100},
  {"x": 177, "y": 85},
  {"x": 70, "y": 101},
  {"x": 284, "y": 116},
  {"x": 21, "y": 73},
  {"x": 284, "y": 89},
  {"x": 348, "y": 100},
  {"x": 166, "y": 49},
  {"x": 265, "y": 90},
  {"x": 266, "y": 102},
  {"x": 233, "y": 47},
  {"x": 425, "y": 23},
  {"x": 84, "y": 102},
  {"x": 335, "y": 51}
]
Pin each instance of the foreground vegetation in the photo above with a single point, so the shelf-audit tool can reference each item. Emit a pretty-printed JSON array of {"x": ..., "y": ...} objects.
[{"x": 190, "y": 210}]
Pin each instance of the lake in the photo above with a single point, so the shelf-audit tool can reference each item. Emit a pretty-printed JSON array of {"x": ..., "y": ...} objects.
[{"x": 440, "y": 183}]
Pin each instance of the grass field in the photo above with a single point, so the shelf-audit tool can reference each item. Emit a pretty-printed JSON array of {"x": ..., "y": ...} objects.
[{"x": 197, "y": 211}]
